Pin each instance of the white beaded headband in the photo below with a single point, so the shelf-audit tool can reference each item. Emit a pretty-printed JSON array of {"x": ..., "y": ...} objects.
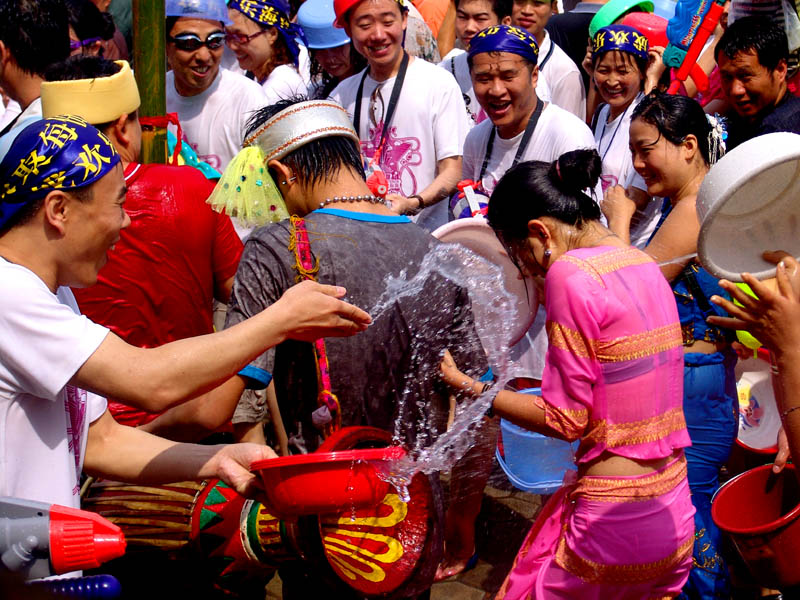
[{"x": 300, "y": 124}]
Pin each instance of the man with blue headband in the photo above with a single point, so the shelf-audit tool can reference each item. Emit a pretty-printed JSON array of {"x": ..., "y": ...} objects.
[{"x": 61, "y": 211}]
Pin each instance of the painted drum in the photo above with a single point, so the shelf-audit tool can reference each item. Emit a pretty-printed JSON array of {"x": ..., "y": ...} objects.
[
  {"x": 476, "y": 235},
  {"x": 748, "y": 204}
]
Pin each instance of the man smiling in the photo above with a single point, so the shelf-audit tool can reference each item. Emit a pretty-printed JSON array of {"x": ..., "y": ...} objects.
[
  {"x": 521, "y": 127},
  {"x": 752, "y": 56},
  {"x": 213, "y": 104},
  {"x": 61, "y": 212},
  {"x": 408, "y": 113}
]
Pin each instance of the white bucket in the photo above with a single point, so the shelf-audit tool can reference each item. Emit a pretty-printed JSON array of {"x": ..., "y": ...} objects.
[{"x": 748, "y": 203}]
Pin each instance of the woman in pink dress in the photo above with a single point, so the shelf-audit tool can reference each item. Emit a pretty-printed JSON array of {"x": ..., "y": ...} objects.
[{"x": 613, "y": 378}]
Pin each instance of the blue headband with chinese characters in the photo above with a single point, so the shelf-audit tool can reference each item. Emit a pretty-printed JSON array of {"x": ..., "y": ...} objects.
[
  {"x": 622, "y": 38},
  {"x": 505, "y": 38},
  {"x": 62, "y": 153}
]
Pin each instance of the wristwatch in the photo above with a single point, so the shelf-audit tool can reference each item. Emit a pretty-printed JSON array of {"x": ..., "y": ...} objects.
[{"x": 420, "y": 205}]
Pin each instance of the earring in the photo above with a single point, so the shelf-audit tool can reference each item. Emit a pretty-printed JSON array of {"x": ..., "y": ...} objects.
[
  {"x": 547, "y": 253},
  {"x": 289, "y": 180}
]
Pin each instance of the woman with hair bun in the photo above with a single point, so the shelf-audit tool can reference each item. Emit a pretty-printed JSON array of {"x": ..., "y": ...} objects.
[
  {"x": 674, "y": 144},
  {"x": 613, "y": 380}
]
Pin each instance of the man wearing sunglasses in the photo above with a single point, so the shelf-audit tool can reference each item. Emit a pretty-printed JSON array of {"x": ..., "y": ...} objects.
[
  {"x": 213, "y": 104},
  {"x": 33, "y": 35}
]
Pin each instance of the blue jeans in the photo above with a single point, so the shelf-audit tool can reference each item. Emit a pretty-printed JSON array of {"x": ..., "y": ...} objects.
[{"x": 710, "y": 408}]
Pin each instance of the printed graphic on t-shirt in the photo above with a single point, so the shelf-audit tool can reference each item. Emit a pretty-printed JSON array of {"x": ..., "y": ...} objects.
[
  {"x": 212, "y": 159},
  {"x": 398, "y": 157},
  {"x": 76, "y": 416}
]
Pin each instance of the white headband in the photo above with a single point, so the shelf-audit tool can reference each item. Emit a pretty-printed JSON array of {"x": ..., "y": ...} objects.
[{"x": 300, "y": 124}]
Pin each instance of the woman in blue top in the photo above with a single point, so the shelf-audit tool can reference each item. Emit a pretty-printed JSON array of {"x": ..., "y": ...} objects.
[{"x": 673, "y": 146}]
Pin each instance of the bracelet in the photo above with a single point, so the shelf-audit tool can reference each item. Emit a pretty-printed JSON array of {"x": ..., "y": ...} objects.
[
  {"x": 420, "y": 204},
  {"x": 788, "y": 410}
]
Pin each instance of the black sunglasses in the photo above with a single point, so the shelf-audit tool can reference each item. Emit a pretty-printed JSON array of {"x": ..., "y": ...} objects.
[{"x": 189, "y": 42}]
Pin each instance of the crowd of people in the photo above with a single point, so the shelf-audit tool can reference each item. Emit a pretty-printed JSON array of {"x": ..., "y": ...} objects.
[{"x": 146, "y": 308}]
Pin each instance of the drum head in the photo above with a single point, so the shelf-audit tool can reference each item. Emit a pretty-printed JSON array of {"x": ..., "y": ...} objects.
[
  {"x": 388, "y": 551},
  {"x": 748, "y": 204},
  {"x": 476, "y": 235}
]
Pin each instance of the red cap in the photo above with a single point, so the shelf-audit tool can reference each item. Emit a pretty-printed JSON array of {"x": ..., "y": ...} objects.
[
  {"x": 82, "y": 540},
  {"x": 341, "y": 7}
]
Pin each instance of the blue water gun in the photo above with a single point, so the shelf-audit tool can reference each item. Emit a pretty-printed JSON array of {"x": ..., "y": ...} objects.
[{"x": 688, "y": 30}]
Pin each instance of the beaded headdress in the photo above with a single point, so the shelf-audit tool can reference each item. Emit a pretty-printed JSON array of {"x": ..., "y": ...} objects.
[{"x": 246, "y": 189}]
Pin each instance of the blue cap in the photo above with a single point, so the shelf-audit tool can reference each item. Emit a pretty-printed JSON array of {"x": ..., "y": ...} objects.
[
  {"x": 317, "y": 17},
  {"x": 213, "y": 10}
]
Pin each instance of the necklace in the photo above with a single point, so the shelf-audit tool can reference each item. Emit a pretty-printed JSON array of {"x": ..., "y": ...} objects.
[{"x": 363, "y": 198}]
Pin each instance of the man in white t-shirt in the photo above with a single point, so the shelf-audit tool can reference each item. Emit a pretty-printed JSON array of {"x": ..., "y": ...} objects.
[
  {"x": 560, "y": 80},
  {"x": 213, "y": 104},
  {"x": 61, "y": 211},
  {"x": 521, "y": 127},
  {"x": 419, "y": 150},
  {"x": 471, "y": 17}
]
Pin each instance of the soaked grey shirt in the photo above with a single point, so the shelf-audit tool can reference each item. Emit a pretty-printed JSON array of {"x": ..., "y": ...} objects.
[{"x": 387, "y": 376}]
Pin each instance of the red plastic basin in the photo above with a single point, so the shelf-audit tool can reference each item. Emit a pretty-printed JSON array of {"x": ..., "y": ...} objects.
[
  {"x": 759, "y": 510},
  {"x": 324, "y": 482}
]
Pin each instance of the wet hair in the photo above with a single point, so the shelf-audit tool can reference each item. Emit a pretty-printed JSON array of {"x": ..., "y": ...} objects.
[
  {"x": 318, "y": 160},
  {"x": 36, "y": 32},
  {"x": 501, "y": 8},
  {"x": 755, "y": 34},
  {"x": 27, "y": 212},
  {"x": 328, "y": 83},
  {"x": 84, "y": 66},
  {"x": 676, "y": 117},
  {"x": 536, "y": 189}
]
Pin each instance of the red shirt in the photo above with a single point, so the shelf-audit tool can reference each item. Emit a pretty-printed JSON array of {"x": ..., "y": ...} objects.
[{"x": 158, "y": 284}]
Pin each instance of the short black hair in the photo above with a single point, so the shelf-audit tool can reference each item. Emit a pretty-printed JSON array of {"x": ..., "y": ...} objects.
[
  {"x": 551, "y": 189},
  {"x": 81, "y": 194},
  {"x": 676, "y": 117},
  {"x": 87, "y": 20},
  {"x": 755, "y": 34},
  {"x": 84, "y": 66},
  {"x": 501, "y": 8},
  {"x": 36, "y": 32},
  {"x": 318, "y": 160}
]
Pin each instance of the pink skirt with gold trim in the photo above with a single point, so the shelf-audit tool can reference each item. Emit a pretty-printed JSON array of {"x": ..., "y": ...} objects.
[{"x": 609, "y": 537}]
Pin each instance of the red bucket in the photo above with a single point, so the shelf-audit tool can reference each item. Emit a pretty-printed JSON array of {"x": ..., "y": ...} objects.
[
  {"x": 324, "y": 482},
  {"x": 759, "y": 510}
]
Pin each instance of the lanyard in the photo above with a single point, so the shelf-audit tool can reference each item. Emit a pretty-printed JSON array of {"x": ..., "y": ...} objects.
[
  {"x": 523, "y": 143},
  {"x": 547, "y": 56},
  {"x": 387, "y": 118},
  {"x": 614, "y": 133}
]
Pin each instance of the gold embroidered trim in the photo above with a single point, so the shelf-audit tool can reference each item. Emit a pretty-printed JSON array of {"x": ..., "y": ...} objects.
[
  {"x": 571, "y": 340},
  {"x": 607, "y": 262},
  {"x": 637, "y": 432},
  {"x": 640, "y": 345},
  {"x": 570, "y": 423},
  {"x": 593, "y": 572},
  {"x": 616, "y": 489}
]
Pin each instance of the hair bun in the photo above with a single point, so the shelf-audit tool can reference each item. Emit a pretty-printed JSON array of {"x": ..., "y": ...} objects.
[{"x": 578, "y": 170}]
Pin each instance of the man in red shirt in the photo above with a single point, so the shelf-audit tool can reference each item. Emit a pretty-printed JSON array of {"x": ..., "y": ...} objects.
[{"x": 178, "y": 254}]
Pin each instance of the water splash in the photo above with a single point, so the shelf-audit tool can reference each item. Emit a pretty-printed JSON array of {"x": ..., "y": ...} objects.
[{"x": 495, "y": 312}]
